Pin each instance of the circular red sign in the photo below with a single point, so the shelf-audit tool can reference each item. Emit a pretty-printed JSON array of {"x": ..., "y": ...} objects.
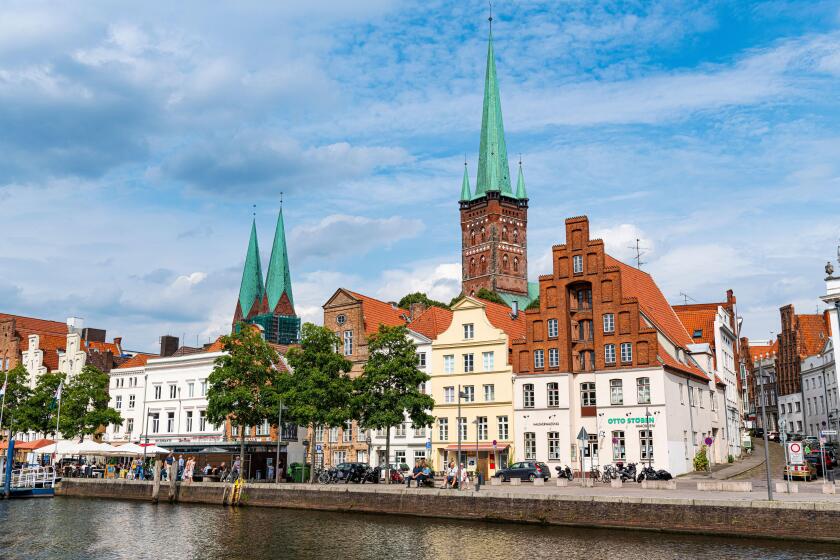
[{"x": 795, "y": 447}]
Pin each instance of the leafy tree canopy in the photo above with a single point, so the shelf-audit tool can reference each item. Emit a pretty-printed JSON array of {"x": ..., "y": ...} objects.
[
  {"x": 420, "y": 297},
  {"x": 534, "y": 304},
  {"x": 16, "y": 397},
  {"x": 84, "y": 404},
  {"x": 39, "y": 410},
  {"x": 487, "y": 295}
]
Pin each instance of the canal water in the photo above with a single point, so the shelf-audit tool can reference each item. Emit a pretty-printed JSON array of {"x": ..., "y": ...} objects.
[{"x": 72, "y": 529}]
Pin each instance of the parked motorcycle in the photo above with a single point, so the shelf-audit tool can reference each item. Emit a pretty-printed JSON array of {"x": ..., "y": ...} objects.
[
  {"x": 372, "y": 475},
  {"x": 564, "y": 472},
  {"x": 609, "y": 473},
  {"x": 649, "y": 473},
  {"x": 627, "y": 472}
]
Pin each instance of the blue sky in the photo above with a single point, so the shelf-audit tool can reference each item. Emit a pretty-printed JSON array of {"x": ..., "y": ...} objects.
[{"x": 134, "y": 141}]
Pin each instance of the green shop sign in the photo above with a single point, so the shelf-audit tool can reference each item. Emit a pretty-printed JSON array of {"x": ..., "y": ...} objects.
[{"x": 631, "y": 420}]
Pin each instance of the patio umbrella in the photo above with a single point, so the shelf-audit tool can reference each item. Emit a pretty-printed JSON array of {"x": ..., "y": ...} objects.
[
  {"x": 127, "y": 450},
  {"x": 64, "y": 447},
  {"x": 209, "y": 450},
  {"x": 155, "y": 450}
]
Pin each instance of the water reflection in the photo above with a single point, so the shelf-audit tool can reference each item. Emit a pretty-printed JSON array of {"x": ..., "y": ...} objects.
[{"x": 81, "y": 529}]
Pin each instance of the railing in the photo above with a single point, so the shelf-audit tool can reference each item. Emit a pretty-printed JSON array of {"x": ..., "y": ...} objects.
[
  {"x": 580, "y": 306},
  {"x": 33, "y": 477}
]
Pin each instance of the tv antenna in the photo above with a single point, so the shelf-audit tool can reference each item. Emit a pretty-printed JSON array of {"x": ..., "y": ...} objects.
[
  {"x": 687, "y": 297},
  {"x": 639, "y": 252}
]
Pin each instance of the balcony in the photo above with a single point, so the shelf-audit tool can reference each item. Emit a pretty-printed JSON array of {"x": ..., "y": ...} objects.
[{"x": 578, "y": 306}]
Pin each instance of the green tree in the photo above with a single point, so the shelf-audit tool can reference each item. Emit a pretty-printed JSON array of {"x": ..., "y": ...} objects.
[
  {"x": 14, "y": 400},
  {"x": 244, "y": 386},
  {"x": 84, "y": 404},
  {"x": 454, "y": 300},
  {"x": 488, "y": 295},
  {"x": 38, "y": 412},
  {"x": 701, "y": 459},
  {"x": 317, "y": 392},
  {"x": 420, "y": 297},
  {"x": 534, "y": 304},
  {"x": 389, "y": 387}
]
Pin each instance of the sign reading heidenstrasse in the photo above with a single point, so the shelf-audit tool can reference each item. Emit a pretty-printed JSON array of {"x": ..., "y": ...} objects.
[{"x": 796, "y": 454}]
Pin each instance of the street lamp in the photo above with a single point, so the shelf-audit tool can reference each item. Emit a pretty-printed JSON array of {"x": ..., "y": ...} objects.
[
  {"x": 368, "y": 441},
  {"x": 279, "y": 439},
  {"x": 764, "y": 423},
  {"x": 461, "y": 395}
]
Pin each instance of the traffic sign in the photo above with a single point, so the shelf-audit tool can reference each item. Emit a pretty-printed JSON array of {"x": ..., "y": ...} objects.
[
  {"x": 829, "y": 432},
  {"x": 495, "y": 443},
  {"x": 319, "y": 448},
  {"x": 796, "y": 454},
  {"x": 428, "y": 445},
  {"x": 582, "y": 435},
  {"x": 708, "y": 441}
]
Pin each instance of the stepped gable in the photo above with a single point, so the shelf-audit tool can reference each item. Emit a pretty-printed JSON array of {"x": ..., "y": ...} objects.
[{"x": 433, "y": 321}]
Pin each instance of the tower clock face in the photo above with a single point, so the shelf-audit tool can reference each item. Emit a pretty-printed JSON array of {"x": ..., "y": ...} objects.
[{"x": 341, "y": 319}]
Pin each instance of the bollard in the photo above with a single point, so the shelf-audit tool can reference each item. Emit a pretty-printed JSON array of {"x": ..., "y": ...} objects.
[
  {"x": 782, "y": 488},
  {"x": 156, "y": 483},
  {"x": 495, "y": 481},
  {"x": 539, "y": 481},
  {"x": 515, "y": 481},
  {"x": 562, "y": 482},
  {"x": 617, "y": 483}
]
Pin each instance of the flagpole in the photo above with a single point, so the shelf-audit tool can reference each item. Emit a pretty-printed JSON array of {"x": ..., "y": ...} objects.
[
  {"x": 57, "y": 419},
  {"x": 3, "y": 405}
]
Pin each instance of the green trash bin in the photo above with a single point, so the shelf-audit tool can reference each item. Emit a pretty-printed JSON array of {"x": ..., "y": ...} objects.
[{"x": 298, "y": 473}]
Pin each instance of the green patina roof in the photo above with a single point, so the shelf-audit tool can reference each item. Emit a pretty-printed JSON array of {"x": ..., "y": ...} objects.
[
  {"x": 520, "y": 185},
  {"x": 522, "y": 300},
  {"x": 493, "y": 170},
  {"x": 279, "y": 278},
  {"x": 251, "y": 289},
  {"x": 466, "y": 194}
]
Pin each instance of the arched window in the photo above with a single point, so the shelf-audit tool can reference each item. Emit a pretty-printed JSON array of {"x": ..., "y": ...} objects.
[
  {"x": 483, "y": 264},
  {"x": 483, "y": 234},
  {"x": 515, "y": 235},
  {"x": 504, "y": 233},
  {"x": 505, "y": 262},
  {"x": 472, "y": 237},
  {"x": 472, "y": 267},
  {"x": 516, "y": 264}
]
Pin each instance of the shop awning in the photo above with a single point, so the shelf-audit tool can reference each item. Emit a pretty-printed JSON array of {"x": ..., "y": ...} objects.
[{"x": 467, "y": 447}]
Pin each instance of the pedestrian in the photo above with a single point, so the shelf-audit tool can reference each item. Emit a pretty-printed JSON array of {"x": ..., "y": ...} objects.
[
  {"x": 234, "y": 473},
  {"x": 188, "y": 469},
  {"x": 465, "y": 479},
  {"x": 181, "y": 466}
]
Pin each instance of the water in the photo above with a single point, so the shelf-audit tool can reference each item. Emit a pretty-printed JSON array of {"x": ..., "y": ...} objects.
[{"x": 70, "y": 528}]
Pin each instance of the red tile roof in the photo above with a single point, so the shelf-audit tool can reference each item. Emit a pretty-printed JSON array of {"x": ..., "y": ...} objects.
[
  {"x": 698, "y": 318},
  {"x": 137, "y": 360},
  {"x": 432, "y": 322},
  {"x": 102, "y": 347},
  {"x": 30, "y": 325},
  {"x": 376, "y": 312},
  {"x": 814, "y": 333},
  {"x": 51, "y": 344},
  {"x": 761, "y": 350},
  {"x": 500, "y": 317}
]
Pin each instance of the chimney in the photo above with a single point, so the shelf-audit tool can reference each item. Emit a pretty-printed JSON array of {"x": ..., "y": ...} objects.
[
  {"x": 416, "y": 309},
  {"x": 118, "y": 343},
  {"x": 93, "y": 335},
  {"x": 393, "y": 304},
  {"x": 515, "y": 309},
  {"x": 75, "y": 324},
  {"x": 168, "y": 345}
]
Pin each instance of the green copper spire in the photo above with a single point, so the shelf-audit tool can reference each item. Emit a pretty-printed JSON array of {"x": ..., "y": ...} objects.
[
  {"x": 251, "y": 290},
  {"x": 279, "y": 280},
  {"x": 520, "y": 185},
  {"x": 493, "y": 170},
  {"x": 466, "y": 194}
]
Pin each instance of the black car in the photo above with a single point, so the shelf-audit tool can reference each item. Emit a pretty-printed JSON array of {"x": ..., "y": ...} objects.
[
  {"x": 526, "y": 470},
  {"x": 816, "y": 460}
]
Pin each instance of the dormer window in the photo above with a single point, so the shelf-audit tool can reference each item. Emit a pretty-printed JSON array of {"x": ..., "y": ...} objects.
[
  {"x": 469, "y": 331},
  {"x": 698, "y": 333}
]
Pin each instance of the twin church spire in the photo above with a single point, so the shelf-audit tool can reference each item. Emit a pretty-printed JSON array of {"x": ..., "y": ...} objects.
[{"x": 493, "y": 168}]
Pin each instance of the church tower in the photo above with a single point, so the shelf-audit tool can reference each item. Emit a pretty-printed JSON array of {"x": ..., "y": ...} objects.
[
  {"x": 251, "y": 290},
  {"x": 494, "y": 219}
]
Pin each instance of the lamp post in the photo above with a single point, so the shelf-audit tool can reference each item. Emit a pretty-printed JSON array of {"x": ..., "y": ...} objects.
[
  {"x": 279, "y": 439},
  {"x": 460, "y": 396},
  {"x": 368, "y": 441},
  {"x": 764, "y": 423},
  {"x": 477, "y": 479}
]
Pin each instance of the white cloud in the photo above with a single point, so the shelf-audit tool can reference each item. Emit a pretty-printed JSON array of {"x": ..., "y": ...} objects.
[
  {"x": 340, "y": 235},
  {"x": 620, "y": 242}
]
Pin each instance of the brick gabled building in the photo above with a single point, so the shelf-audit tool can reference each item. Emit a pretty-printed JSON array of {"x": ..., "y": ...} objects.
[
  {"x": 606, "y": 352},
  {"x": 801, "y": 336},
  {"x": 759, "y": 359}
]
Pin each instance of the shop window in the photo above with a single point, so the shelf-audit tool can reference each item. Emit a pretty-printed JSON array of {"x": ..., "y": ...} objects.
[
  {"x": 619, "y": 450},
  {"x": 616, "y": 392}
]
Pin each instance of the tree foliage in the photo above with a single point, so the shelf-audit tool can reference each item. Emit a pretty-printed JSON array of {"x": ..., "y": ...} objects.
[
  {"x": 701, "y": 459},
  {"x": 488, "y": 295},
  {"x": 38, "y": 412},
  {"x": 84, "y": 404},
  {"x": 16, "y": 397},
  {"x": 420, "y": 297},
  {"x": 534, "y": 304}
]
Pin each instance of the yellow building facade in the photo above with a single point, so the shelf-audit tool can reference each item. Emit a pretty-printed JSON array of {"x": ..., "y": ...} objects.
[{"x": 471, "y": 357}]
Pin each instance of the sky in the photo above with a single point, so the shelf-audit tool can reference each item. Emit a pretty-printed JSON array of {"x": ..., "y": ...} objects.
[{"x": 137, "y": 139}]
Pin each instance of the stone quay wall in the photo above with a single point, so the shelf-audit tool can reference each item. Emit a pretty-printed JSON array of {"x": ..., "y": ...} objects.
[{"x": 719, "y": 517}]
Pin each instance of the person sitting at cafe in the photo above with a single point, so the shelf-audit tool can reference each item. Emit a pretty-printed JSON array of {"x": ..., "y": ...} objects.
[
  {"x": 421, "y": 473},
  {"x": 208, "y": 468},
  {"x": 417, "y": 471},
  {"x": 451, "y": 475}
]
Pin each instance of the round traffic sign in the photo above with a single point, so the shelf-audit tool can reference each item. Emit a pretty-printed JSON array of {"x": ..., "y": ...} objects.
[
  {"x": 494, "y": 443},
  {"x": 795, "y": 447},
  {"x": 708, "y": 441},
  {"x": 615, "y": 440}
]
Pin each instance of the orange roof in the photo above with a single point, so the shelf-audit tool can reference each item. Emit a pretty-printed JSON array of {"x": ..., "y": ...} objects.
[
  {"x": 376, "y": 312},
  {"x": 698, "y": 318},
  {"x": 216, "y": 346},
  {"x": 30, "y": 325},
  {"x": 814, "y": 333},
  {"x": 432, "y": 322},
  {"x": 102, "y": 347},
  {"x": 500, "y": 317},
  {"x": 760, "y": 350},
  {"x": 137, "y": 360},
  {"x": 28, "y": 445}
]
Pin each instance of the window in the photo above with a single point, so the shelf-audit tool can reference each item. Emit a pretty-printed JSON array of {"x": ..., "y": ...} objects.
[
  {"x": 577, "y": 263},
  {"x": 553, "y": 357},
  {"x": 691, "y": 400},
  {"x": 487, "y": 359},
  {"x": 203, "y": 387},
  {"x": 682, "y": 398},
  {"x": 155, "y": 423},
  {"x": 158, "y": 392},
  {"x": 361, "y": 435},
  {"x": 170, "y": 422},
  {"x": 173, "y": 391},
  {"x": 421, "y": 359},
  {"x": 399, "y": 457},
  {"x": 482, "y": 427},
  {"x": 319, "y": 434},
  {"x": 419, "y": 454},
  {"x": 443, "y": 428},
  {"x": 609, "y": 353},
  {"x": 553, "y": 446},
  {"x": 469, "y": 393},
  {"x": 503, "y": 427},
  {"x": 348, "y": 343},
  {"x": 552, "y": 328},
  {"x": 462, "y": 427},
  {"x": 449, "y": 364},
  {"x": 698, "y": 333},
  {"x": 333, "y": 435},
  {"x": 609, "y": 323},
  {"x": 420, "y": 433},
  {"x": 643, "y": 390},
  {"x": 619, "y": 453},
  {"x": 591, "y": 449},
  {"x": 616, "y": 392},
  {"x": 189, "y": 420},
  {"x": 449, "y": 394},
  {"x": 399, "y": 430},
  {"x": 539, "y": 359},
  {"x": 202, "y": 420},
  {"x": 190, "y": 389},
  {"x": 469, "y": 331},
  {"x": 118, "y": 402},
  {"x": 347, "y": 432},
  {"x": 626, "y": 352},
  {"x": 530, "y": 445},
  {"x": 129, "y": 426},
  {"x": 528, "y": 395},
  {"x": 553, "y": 394},
  {"x": 713, "y": 400},
  {"x": 797, "y": 409},
  {"x": 587, "y": 394},
  {"x": 489, "y": 393},
  {"x": 131, "y": 401},
  {"x": 468, "y": 363},
  {"x": 646, "y": 444},
  {"x": 341, "y": 457}
]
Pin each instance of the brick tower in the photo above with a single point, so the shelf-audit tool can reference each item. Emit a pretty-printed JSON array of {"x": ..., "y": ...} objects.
[{"x": 494, "y": 219}]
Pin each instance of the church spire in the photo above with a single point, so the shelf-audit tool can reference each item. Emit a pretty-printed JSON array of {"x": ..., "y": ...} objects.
[
  {"x": 493, "y": 170},
  {"x": 466, "y": 193},
  {"x": 520, "y": 184},
  {"x": 251, "y": 289},
  {"x": 278, "y": 284}
]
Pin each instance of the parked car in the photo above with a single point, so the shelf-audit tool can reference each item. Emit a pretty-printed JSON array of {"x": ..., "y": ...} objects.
[
  {"x": 758, "y": 432},
  {"x": 812, "y": 441},
  {"x": 525, "y": 470},
  {"x": 815, "y": 459},
  {"x": 773, "y": 436},
  {"x": 806, "y": 472}
]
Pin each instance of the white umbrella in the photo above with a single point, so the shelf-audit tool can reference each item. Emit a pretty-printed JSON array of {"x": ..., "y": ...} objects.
[
  {"x": 90, "y": 447},
  {"x": 127, "y": 450},
  {"x": 155, "y": 450},
  {"x": 64, "y": 447}
]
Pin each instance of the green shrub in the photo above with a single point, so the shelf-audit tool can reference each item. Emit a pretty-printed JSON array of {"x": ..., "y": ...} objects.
[
  {"x": 701, "y": 460},
  {"x": 730, "y": 459}
]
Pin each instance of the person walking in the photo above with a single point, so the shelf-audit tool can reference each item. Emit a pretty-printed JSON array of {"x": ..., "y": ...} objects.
[
  {"x": 188, "y": 469},
  {"x": 181, "y": 466},
  {"x": 465, "y": 480},
  {"x": 234, "y": 473}
]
